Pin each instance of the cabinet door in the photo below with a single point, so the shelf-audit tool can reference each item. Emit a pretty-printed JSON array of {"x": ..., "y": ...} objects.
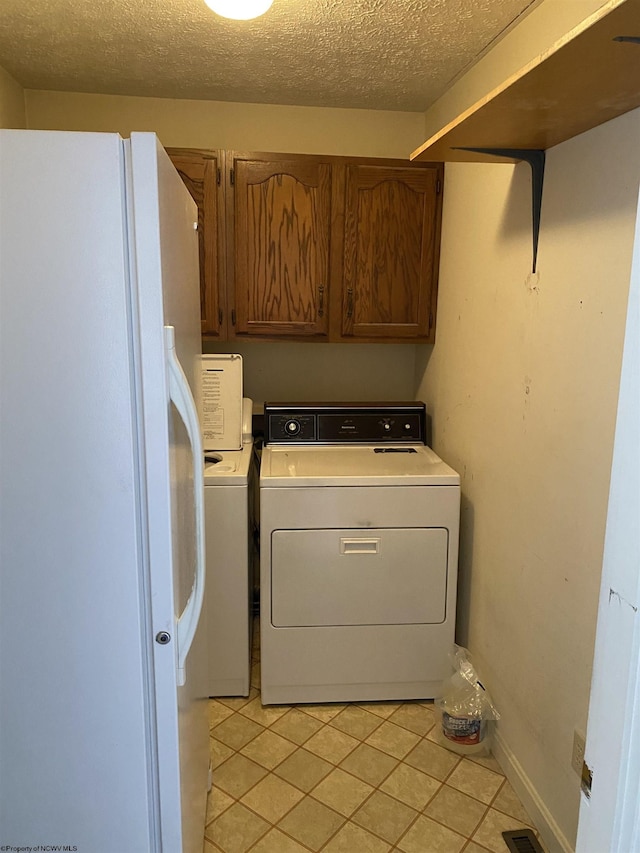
[
  {"x": 199, "y": 170},
  {"x": 391, "y": 242},
  {"x": 280, "y": 213}
]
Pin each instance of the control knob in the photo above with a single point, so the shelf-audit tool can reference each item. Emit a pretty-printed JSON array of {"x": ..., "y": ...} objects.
[{"x": 292, "y": 427}]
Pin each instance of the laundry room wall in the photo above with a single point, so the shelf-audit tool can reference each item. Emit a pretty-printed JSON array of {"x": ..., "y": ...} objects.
[
  {"x": 522, "y": 387},
  {"x": 12, "y": 102},
  {"x": 229, "y": 125},
  {"x": 272, "y": 371}
]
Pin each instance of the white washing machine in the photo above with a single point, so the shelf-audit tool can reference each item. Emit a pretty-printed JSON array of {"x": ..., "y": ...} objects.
[
  {"x": 229, "y": 544},
  {"x": 359, "y": 528}
]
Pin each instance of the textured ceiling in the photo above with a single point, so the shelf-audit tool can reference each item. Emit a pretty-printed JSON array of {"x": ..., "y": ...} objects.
[{"x": 374, "y": 54}]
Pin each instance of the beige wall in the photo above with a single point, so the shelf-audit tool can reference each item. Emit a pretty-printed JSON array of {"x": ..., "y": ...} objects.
[
  {"x": 522, "y": 385},
  {"x": 306, "y": 372},
  {"x": 218, "y": 124},
  {"x": 271, "y": 371},
  {"x": 12, "y": 102}
]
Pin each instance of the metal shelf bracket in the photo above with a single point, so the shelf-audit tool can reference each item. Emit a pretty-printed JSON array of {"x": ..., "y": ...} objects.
[{"x": 535, "y": 158}]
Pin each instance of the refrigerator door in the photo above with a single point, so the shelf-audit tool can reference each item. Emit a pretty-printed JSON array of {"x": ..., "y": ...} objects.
[
  {"x": 101, "y": 747},
  {"x": 76, "y": 712},
  {"x": 169, "y": 254}
]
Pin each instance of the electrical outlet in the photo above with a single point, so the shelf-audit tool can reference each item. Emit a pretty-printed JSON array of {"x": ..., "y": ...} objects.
[{"x": 577, "y": 756}]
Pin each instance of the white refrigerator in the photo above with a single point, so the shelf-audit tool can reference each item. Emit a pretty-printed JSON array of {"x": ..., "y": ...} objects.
[{"x": 103, "y": 717}]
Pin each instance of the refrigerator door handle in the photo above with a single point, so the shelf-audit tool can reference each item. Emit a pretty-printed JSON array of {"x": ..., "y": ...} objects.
[{"x": 180, "y": 395}]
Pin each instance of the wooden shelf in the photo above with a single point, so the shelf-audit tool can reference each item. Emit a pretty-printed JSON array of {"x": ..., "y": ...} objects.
[{"x": 583, "y": 80}]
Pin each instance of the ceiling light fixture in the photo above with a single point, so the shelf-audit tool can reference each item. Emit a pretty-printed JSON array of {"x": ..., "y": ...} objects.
[{"x": 239, "y": 10}]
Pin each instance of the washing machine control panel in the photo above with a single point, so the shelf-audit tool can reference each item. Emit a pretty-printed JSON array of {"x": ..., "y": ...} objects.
[{"x": 342, "y": 423}]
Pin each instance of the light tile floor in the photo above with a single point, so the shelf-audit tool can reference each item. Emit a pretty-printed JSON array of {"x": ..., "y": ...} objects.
[{"x": 348, "y": 778}]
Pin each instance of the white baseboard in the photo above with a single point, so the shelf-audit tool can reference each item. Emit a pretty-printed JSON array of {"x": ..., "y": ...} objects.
[{"x": 552, "y": 836}]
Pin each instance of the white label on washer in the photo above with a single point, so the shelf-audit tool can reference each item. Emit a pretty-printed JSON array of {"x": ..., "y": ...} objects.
[
  {"x": 222, "y": 402},
  {"x": 213, "y": 411}
]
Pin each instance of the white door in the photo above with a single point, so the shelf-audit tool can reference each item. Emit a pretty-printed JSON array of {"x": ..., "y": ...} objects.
[
  {"x": 361, "y": 576},
  {"x": 610, "y": 818},
  {"x": 168, "y": 254}
]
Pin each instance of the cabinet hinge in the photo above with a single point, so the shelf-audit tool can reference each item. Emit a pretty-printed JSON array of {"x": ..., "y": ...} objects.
[
  {"x": 233, "y": 316},
  {"x": 219, "y": 177},
  {"x": 438, "y": 186},
  {"x": 232, "y": 177}
]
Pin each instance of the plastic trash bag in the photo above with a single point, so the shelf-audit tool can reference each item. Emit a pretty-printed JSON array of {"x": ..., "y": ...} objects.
[{"x": 464, "y": 709}]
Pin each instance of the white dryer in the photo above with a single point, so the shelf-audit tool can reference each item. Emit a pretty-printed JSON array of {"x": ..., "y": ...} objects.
[{"x": 359, "y": 554}]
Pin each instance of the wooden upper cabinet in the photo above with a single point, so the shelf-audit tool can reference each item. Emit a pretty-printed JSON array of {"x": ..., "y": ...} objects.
[
  {"x": 315, "y": 248},
  {"x": 200, "y": 170},
  {"x": 390, "y": 253},
  {"x": 279, "y": 212}
]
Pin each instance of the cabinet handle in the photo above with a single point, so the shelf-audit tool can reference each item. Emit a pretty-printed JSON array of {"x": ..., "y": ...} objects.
[
  {"x": 349, "y": 302},
  {"x": 233, "y": 316},
  {"x": 219, "y": 316},
  {"x": 321, "y": 300}
]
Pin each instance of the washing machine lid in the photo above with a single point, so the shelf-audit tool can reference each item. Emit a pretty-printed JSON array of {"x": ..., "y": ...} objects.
[
  {"x": 231, "y": 469},
  {"x": 351, "y": 465}
]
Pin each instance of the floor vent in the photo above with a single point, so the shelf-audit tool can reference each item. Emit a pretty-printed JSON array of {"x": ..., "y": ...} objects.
[{"x": 522, "y": 841}]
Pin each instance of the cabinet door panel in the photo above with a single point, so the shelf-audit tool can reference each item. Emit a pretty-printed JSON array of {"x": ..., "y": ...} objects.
[
  {"x": 199, "y": 171},
  {"x": 282, "y": 224},
  {"x": 390, "y": 258}
]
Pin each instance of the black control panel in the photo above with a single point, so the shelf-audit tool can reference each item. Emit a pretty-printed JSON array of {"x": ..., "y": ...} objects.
[{"x": 343, "y": 423}]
